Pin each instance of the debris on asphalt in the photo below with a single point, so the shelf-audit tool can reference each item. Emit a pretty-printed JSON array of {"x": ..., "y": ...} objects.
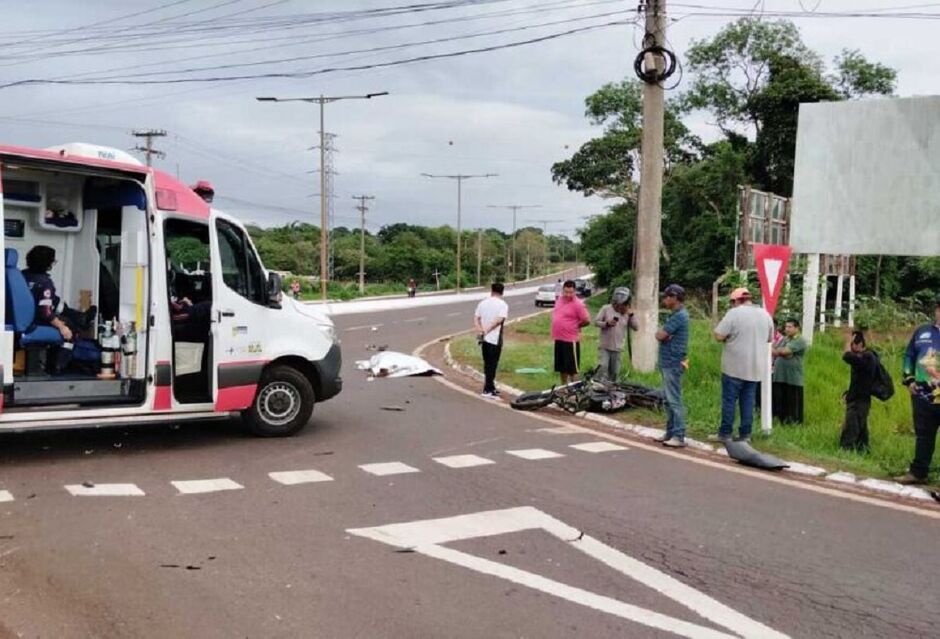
[
  {"x": 379, "y": 347},
  {"x": 743, "y": 453},
  {"x": 397, "y": 409},
  {"x": 88, "y": 484},
  {"x": 393, "y": 364}
]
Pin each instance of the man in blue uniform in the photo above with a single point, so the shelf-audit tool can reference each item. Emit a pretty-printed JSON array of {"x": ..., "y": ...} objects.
[{"x": 922, "y": 378}]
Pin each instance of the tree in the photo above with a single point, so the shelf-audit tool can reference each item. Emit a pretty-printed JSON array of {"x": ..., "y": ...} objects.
[{"x": 855, "y": 77}]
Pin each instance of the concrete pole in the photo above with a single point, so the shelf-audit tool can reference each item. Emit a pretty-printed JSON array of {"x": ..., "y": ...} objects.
[
  {"x": 837, "y": 311},
  {"x": 459, "y": 182},
  {"x": 649, "y": 217},
  {"x": 810, "y": 281},
  {"x": 823, "y": 286},
  {"x": 324, "y": 223},
  {"x": 479, "y": 256},
  {"x": 851, "y": 301},
  {"x": 362, "y": 249}
]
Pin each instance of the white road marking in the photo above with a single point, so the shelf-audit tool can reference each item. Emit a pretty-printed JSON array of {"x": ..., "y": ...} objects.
[
  {"x": 427, "y": 537},
  {"x": 414, "y": 319},
  {"x": 598, "y": 447},
  {"x": 5, "y": 495},
  {"x": 388, "y": 468},
  {"x": 534, "y": 453},
  {"x": 196, "y": 486},
  {"x": 463, "y": 461},
  {"x": 105, "y": 490},
  {"x": 293, "y": 477},
  {"x": 365, "y": 326}
]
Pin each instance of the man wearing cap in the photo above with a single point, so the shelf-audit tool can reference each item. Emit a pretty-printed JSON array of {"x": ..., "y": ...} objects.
[
  {"x": 673, "y": 340},
  {"x": 745, "y": 330},
  {"x": 614, "y": 320},
  {"x": 922, "y": 377}
]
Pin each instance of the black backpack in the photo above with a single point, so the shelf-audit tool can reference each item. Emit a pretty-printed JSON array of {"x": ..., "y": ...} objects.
[{"x": 882, "y": 386}]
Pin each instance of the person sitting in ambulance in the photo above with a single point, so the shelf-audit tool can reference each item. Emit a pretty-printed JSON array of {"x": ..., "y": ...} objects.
[{"x": 50, "y": 309}]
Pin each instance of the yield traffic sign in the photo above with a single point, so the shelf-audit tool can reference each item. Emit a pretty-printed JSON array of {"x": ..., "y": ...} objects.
[{"x": 771, "y": 261}]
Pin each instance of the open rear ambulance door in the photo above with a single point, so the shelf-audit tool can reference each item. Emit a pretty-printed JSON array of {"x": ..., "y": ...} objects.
[{"x": 6, "y": 341}]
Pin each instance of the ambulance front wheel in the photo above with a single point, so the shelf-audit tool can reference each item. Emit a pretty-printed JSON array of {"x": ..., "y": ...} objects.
[{"x": 282, "y": 405}]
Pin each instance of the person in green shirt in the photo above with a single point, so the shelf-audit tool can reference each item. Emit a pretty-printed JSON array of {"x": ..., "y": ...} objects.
[{"x": 788, "y": 374}]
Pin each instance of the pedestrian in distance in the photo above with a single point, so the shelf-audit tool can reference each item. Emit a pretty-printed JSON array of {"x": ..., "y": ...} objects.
[
  {"x": 858, "y": 398},
  {"x": 673, "y": 340},
  {"x": 921, "y": 375},
  {"x": 614, "y": 320},
  {"x": 745, "y": 330},
  {"x": 412, "y": 287},
  {"x": 787, "y": 377},
  {"x": 489, "y": 320},
  {"x": 295, "y": 289},
  {"x": 568, "y": 318}
]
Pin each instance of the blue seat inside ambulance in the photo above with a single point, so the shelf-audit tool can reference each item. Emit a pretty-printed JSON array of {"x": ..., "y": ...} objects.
[{"x": 21, "y": 307}]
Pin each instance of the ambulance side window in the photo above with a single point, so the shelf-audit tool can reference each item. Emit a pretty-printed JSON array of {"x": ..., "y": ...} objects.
[{"x": 241, "y": 270}]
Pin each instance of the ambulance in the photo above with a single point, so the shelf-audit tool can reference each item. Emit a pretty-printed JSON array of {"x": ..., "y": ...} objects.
[{"x": 185, "y": 323}]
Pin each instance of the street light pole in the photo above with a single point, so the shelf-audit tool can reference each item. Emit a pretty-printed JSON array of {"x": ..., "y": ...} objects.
[
  {"x": 460, "y": 177},
  {"x": 515, "y": 209},
  {"x": 322, "y": 100}
]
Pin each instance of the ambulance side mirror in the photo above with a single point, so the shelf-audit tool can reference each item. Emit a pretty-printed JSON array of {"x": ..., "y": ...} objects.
[{"x": 274, "y": 290}]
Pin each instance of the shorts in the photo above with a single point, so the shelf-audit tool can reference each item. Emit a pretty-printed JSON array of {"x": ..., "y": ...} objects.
[{"x": 567, "y": 357}]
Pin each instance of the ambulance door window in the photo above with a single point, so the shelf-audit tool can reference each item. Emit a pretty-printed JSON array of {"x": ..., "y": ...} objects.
[{"x": 241, "y": 269}]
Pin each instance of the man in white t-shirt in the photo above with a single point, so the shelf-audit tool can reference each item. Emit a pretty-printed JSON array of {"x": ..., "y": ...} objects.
[
  {"x": 488, "y": 321},
  {"x": 745, "y": 330}
]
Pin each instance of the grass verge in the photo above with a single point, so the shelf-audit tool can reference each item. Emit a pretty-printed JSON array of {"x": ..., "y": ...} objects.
[{"x": 528, "y": 345}]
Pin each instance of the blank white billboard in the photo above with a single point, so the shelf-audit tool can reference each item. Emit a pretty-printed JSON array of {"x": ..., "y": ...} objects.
[{"x": 867, "y": 178}]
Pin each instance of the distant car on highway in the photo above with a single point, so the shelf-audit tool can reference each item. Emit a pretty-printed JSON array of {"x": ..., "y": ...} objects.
[
  {"x": 583, "y": 288},
  {"x": 546, "y": 295}
]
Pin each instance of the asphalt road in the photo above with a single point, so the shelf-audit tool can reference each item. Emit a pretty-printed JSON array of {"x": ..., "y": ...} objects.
[{"x": 620, "y": 543}]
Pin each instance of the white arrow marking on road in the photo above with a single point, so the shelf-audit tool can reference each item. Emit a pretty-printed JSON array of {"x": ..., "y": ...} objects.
[
  {"x": 426, "y": 537},
  {"x": 105, "y": 490},
  {"x": 5, "y": 495},
  {"x": 771, "y": 271}
]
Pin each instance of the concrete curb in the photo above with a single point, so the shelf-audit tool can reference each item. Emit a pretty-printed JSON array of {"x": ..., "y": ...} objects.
[{"x": 843, "y": 478}]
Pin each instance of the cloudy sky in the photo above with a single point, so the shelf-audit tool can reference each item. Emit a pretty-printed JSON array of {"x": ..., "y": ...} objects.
[{"x": 511, "y": 111}]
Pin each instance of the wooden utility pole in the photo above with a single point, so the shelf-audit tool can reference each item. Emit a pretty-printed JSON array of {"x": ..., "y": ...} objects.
[
  {"x": 148, "y": 149},
  {"x": 362, "y": 208},
  {"x": 649, "y": 217}
]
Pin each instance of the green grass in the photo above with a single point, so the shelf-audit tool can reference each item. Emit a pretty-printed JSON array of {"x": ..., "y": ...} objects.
[{"x": 527, "y": 344}]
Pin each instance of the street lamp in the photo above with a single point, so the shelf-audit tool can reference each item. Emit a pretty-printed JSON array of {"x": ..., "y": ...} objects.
[
  {"x": 459, "y": 178},
  {"x": 324, "y": 222}
]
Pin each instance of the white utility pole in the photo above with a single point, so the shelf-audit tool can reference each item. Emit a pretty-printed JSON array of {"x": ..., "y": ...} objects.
[
  {"x": 649, "y": 216},
  {"x": 479, "y": 255},
  {"x": 322, "y": 100},
  {"x": 810, "y": 290},
  {"x": 459, "y": 178},
  {"x": 362, "y": 208},
  {"x": 148, "y": 149}
]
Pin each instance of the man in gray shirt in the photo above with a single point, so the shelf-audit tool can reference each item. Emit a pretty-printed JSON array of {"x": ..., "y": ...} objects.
[
  {"x": 614, "y": 320},
  {"x": 745, "y": 330}
]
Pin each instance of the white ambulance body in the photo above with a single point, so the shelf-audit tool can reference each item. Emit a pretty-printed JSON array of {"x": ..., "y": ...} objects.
[{"x": 189, "y": 321}]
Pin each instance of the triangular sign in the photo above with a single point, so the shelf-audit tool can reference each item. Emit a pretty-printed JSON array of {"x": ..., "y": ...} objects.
[{"x": 771, "y": 261}]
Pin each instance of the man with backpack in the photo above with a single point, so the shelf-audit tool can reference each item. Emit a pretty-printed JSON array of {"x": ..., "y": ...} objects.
[
  {"x": 488, "y": 320},
  {"x": 857, "y": 399},
  {"x": 922, "y": 378}
]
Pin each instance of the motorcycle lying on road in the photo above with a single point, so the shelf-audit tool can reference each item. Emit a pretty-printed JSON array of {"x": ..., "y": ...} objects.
[{"x": 592, "y": 395}]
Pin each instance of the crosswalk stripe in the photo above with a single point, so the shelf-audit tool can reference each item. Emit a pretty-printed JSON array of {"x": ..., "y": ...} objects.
[
  {"x": 463, "y": 461},
  {"x": 104, "y": 490},
  {"x": 598, "y": 447},
  {"x": 388, "y": 468},
  {"x": 293, "y": 477},
  {"x": 533, "y": 454},
  {"x": 196, "y": 486}
]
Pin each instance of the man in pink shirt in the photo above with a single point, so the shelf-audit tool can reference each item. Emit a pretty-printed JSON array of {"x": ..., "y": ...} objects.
[{"x": 568, "y": 317}]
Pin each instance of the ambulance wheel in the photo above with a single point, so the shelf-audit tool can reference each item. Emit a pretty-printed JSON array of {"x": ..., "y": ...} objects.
[{"x": 282, "y": 405}]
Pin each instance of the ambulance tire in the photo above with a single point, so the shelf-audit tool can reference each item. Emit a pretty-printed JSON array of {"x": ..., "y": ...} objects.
[{"x": 282, "y": 405}]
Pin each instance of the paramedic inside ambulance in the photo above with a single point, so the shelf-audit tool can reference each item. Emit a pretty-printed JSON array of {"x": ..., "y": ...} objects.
[{"x": 50, "y": 309}]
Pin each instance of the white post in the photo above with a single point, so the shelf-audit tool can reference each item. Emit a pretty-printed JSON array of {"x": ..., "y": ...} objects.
[
  {"x": 837, "y": 321},
  {"x": 824, "y": 282},
  {"x": 851, "y": 301},
  {"x": 810, "y": 280},
  {"x": 766, "y": 397}
]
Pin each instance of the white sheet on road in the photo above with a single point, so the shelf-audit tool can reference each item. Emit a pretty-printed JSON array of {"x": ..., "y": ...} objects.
[{"x": 392, "y": 364}]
